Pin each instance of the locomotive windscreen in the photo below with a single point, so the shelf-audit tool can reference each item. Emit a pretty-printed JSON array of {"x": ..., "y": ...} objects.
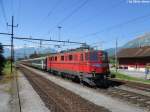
[
  {"x": 94, "y": 56},
  {"x": 104, "y": 57}
]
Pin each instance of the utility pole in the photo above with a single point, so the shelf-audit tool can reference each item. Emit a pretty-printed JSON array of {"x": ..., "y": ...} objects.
[
  {"x": 24, "y": 51},
  {"x": 59, "y": 31},
  {"x": 116, "y": 50},
  {"x": 12, "y": 41}
]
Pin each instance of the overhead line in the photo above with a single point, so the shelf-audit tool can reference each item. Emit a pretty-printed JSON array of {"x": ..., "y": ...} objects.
[
  {"x": 42, "y": 44},
  {"x": 115, "y": 26},
  {"x": 19, "y": 11},
  {"x": 3, "y": 10},
  {"x": 50, "y": 11},
  {"x": 12, "y": 7},
  {"x": 102, "y": 10},
  {"x": 70, "y": 14},
  {"x": 25, "y": 38}
]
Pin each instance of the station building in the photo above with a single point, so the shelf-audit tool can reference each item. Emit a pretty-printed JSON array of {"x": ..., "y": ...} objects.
[{"x": 134, "y": 59}]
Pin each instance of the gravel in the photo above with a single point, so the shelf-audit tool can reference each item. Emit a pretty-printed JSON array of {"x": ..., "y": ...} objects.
[{"x": 94, "y": 96}]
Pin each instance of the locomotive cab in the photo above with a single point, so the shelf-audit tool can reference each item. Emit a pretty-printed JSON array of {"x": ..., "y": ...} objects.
[{"x": 98, "y": 64}]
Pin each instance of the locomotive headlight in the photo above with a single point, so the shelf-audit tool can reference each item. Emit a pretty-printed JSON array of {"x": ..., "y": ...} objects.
[
  {"x": 93, "y": 73},
  {"x": 100, "y": 65},
  {"x": 97, "y": 65}
]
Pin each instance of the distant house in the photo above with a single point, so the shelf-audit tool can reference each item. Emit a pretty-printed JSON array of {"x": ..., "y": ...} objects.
[{"x": 134, "y": 58}]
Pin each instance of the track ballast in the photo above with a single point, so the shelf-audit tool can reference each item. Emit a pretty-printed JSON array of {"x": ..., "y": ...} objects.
[{"x": 58, "y": 99}]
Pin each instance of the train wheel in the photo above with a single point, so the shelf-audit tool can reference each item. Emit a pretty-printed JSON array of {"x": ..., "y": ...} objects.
[{"x": 76, "y": 79}]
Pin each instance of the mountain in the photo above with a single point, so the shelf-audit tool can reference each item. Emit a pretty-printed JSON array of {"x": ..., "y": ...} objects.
[
  {"x": 140, "y": 41},
  {"x": 111, "y": 51},
  {"x": 21, "y": 52},
  {"x": 143, "y": 40}
]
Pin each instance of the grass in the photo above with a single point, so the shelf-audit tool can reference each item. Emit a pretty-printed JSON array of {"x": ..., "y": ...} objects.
[
  {"x": 6, "y": 77},
  {"x": 129, "y": 78}
]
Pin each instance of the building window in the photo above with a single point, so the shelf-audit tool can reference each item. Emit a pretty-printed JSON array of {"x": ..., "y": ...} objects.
[
  {"x": 70, "y": 57},
  {"x": 62, "y": 58}
]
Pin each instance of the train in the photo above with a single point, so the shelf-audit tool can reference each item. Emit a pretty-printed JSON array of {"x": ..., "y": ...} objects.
[{"x": 81, "y": 65}]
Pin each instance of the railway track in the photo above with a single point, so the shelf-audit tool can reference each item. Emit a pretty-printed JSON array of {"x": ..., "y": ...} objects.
[
  {"x": 133, "y": 92},
  {"x": 58, "y": 99},
  {"x": 125, "y": 95},
  {"x": 135, "y": 85},
  {"x": 114, "y": 91}
]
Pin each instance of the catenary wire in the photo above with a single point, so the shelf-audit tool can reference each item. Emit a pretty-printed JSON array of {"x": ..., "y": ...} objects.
[
  {"x": 70, "y": 15},
  {"x": 116, "y": 26}
]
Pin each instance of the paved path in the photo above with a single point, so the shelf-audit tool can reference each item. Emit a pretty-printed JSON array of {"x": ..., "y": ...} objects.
[
  {"x": 137, "y": 74},
  {"x": 133, "y": 73}
]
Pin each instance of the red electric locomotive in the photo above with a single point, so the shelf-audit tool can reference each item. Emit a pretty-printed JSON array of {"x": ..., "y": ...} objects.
[{"x": 85, "y": 65}]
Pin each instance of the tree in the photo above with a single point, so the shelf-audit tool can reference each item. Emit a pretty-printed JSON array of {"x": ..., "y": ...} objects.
[
  {"x": 34, "y": 55},
  {"x": 2, "y": 59}
]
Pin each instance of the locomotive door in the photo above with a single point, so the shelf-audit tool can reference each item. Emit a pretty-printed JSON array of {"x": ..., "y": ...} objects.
[{"x": 81, "y": 64}]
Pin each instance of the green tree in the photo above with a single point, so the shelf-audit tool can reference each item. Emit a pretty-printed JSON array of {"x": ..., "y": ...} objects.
[{"x": 2, "y": 59}]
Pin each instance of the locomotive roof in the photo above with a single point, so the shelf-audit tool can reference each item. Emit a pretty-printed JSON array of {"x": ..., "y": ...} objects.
[
  {"x": 78, "y": 50},
  {"x": 65, "y": 51}
]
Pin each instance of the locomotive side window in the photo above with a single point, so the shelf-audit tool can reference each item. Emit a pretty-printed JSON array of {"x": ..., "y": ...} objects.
[
  {"x": 70, "y": 57},
  {"x": 81, "y": 57},
  {"x": 75, "y": 57},
  {"x": 62, "y": 58},
  {"x": 55, "y": 58},
  {"x": 86, "y": 56},
  {"x": 66, "y": 58},
  {"x": 52, "y": 58}
]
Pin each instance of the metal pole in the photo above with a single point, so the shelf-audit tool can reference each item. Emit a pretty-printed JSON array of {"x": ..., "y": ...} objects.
[
  {"x": 12, "y": 46},
  {"x": 59, "y": 31},
  {"x": 116, "y": 64},
  {"x": 24, "y": 51}
]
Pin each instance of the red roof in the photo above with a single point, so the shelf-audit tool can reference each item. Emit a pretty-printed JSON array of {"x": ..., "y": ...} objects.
[{"x": 134, "y": 52}]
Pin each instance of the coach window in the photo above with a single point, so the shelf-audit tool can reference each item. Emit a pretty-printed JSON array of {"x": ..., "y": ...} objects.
[
  {"x": 81, "y": 57},
  {"x": 62, "y": 58},
  {"x": 70, "y": 57}
]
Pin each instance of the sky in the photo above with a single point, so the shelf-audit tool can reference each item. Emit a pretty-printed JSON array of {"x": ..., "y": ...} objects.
[{"x": 96, "y": 22}]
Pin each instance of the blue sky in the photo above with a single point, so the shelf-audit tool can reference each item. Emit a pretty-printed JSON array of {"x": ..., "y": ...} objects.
[{"x": 40, "y": 19}]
